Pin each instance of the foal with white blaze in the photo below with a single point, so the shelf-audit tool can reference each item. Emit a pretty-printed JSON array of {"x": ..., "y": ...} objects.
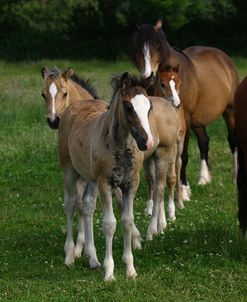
[
  {"x": 62, "y": 88},
  {"x": 101, "y": 147}
]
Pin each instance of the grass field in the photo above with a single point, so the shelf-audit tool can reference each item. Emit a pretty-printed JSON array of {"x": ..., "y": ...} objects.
[{"x": 201, "y": 257}]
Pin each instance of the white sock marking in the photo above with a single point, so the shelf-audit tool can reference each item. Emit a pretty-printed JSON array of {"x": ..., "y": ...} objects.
[
  {"x": 53, "y": 92},
  {"x": 205, "y": 176},
  {"x": 141, "y": 106}
]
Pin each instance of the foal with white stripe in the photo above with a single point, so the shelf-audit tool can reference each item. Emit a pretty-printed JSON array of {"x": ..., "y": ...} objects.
[{"x": 102, "y": 148}]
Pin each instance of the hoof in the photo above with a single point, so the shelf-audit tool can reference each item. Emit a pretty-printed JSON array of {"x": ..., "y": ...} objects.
[
  {"x": 136, "y": 244},
  {"x": 109, "y": 278},
  {"x": 78, "y": 251},
  {"x": 186, "y": 192},
  {"x": 94, "y": 264}
]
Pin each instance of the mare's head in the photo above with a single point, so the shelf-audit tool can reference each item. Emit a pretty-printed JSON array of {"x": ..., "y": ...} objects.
[
  {"x": 136, "y": 108},
  {"x": 148, "y": 48},
  {"x": 55, "y": 93},
  {"x": 170, "y": 83}
]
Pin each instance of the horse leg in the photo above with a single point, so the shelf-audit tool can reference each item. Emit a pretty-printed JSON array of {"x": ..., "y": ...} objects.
[
  {"x": 127, "y": 220},
  {"x": 228, "y": 116},
  {"x": 178, "y": 166},
  {"x": 70, "y": 178},
  {"x": 109, "y": 226},
  {"x": 203, "y": 142},
  {"x": 81, "y": 186},
  {"x": 88, "y": 207},
  {"x": 171, "y": 181},
  {"x": 185, "y": 187},
  {"x": 161, "y": 165},
  {"x": 149, "y": 175},
  {"x": 136, "y": 236}
]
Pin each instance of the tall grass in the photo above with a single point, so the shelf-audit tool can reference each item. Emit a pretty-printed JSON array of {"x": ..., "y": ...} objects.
[{"x": 200, "y": 257}]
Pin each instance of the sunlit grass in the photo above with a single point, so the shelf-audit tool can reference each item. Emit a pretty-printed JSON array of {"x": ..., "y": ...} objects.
[{"x": 199, "y": 258}]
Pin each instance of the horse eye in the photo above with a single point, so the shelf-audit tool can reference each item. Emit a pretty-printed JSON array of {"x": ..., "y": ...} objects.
[
  {"x": 65, "y": 94},
  {"x": 43, "y": 95}
]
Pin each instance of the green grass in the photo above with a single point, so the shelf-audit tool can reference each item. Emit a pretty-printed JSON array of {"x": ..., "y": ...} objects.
[{"x": 201, "y": 257}]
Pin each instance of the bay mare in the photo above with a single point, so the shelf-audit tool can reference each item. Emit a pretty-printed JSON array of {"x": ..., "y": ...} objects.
[
  {"x": 95, "y": 144},
  {"x": 209, "y": 80},
  {"x": 241, "y": 129},
  {"x": 62, "y": 89}
]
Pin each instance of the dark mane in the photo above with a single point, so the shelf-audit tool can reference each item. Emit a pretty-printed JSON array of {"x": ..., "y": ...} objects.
[
  {"x": 55, "y": 72},
  {"x": 133, "y": 82},
  {"x": 86, "y": 84},
  {"x": 180, "y": 51},
  {"x": 147, "y": 34}
]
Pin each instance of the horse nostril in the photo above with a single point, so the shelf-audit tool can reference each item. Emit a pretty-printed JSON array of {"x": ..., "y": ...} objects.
[
  {"x": 53, "y": 123},
  {"x": 162, "y": 85}
]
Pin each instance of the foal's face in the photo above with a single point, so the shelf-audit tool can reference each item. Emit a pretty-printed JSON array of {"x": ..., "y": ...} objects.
[
  {"x": 137, "y": 107},
  {"x": 170, "y": 83},
  {"x": 55, "y": 94}
]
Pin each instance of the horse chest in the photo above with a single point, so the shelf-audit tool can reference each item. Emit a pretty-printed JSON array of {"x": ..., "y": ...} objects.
[{"x": 123, "y": 168}]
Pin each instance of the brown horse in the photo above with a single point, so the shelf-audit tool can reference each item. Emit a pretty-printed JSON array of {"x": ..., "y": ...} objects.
[
  {"x": 209, "y": 81},
  {"x": 167, "y": 85},
  {"x": 62, "y": 89},
  {"x": 241, "y": 129},
  {"x": 98, "y": 146}
]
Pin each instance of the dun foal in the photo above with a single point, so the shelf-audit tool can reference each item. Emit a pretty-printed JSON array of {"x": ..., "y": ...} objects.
[
  {"x": 101, "y": 147},
  {"x": 60, "y": 90}
]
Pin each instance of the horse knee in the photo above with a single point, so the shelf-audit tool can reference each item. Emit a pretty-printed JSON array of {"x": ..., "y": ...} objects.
[
  {"x": 109, "y": 227},
  {"x": 88, "y": 205},
  {"x": 127, "y": 223},
  {"x": 171, "y": 181}
]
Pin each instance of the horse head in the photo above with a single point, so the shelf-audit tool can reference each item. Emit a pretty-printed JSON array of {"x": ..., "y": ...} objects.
[
  {"x": 148, "y": 48},
  {"x": 170, "y": 83},
  {"x": 55, "y": 93},
  {"x": 136, "y": 106}
]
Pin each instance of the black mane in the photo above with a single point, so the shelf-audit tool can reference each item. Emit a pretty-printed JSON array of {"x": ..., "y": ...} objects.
[
  {"x": 55, "y": 72},
  {"x": 86, "y": 84},
  {"x": 147, "y": 34},
  {"x": 133, "y": 82}
]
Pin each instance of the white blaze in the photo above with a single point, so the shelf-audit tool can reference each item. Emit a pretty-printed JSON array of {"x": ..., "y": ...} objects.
[
  {"x": 142, "y": 106},
  {"x": 176, "y": 98},
  {"x": 53, "y": 92},
  {"x": 147, "y": 61}
]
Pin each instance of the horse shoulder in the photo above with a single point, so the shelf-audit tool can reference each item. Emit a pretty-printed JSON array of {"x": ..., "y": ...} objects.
[{"x": 163, "y": 120}]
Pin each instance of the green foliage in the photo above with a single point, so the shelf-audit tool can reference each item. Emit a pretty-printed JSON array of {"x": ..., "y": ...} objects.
[{"x": 99, "y": 28}]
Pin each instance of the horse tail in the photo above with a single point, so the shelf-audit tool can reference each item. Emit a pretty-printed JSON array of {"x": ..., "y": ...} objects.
[{"x": 242, "y": 190}]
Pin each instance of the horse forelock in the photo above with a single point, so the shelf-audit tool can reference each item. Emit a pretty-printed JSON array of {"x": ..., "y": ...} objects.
[
  {"x": 133, "y": 81},
  {"x": 147, "y": 36},
  {"x": 53, "y": 72}
]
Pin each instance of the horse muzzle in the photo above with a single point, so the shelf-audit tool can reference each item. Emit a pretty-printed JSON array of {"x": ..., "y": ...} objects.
[{"x": 53, "y": 123}]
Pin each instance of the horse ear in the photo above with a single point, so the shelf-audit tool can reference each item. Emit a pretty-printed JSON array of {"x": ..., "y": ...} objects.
[
  {"x": 176, "y": 68},
  {"x": 124, "y": 81},
  {"x": 158, "y": 24},
  {"x": 44, "y": 72},
  {"x": 68, "y": 73}
]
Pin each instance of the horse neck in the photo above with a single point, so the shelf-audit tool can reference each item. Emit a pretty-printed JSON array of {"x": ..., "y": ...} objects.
[
  {"x": 76, "y": 92},
  {"x": 118, "y": 131}
]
